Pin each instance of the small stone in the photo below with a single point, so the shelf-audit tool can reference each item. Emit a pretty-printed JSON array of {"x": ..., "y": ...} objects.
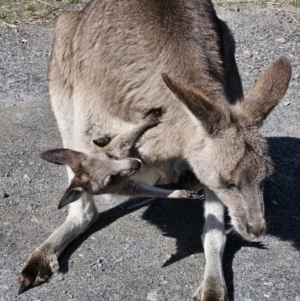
[
  {"x": 24, "y": 41},
  {"x": 248, "y": 53},
  {"x": 61, "y": 278},
  {"x": 287, "y": 103},
  {"x": 281, "y": 40},
  {"x": 11, "y": 81},
  {"x": 27, "y": 178},
  {"x": 3, "y": 194},
  {"x": 152, "y": 296}
]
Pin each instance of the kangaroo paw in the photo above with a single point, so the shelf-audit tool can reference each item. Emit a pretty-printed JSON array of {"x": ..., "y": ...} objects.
[
  {"x": 195, "y": 195},
  {"x": 185, "y": 194},
  {"x": 39, "y": 266}
]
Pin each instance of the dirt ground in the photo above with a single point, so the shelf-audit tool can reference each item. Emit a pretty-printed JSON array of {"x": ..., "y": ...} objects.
[{"x": 154, "y": 252}]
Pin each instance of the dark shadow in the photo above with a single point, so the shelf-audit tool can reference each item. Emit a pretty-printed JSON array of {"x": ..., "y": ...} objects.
[
  {"x": 233, "y": 244},
  {"x": 104, "y": 220},
  {"x": 180, "y": 219},
  {"x": 282, "y": 190},
  {"x": 183, "y": 219}
]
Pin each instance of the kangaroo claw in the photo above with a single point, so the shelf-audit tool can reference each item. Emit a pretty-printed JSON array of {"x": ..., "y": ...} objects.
[
  {"x": 195, "y": 195},
  {"x": 40, "y": 265},
  {"x": 22, "y": 287}
]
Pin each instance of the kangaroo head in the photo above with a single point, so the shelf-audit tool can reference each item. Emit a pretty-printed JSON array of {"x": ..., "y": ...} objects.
[
  {"x": 227, "y": 153},
  {"x": 96, "y": 173}
]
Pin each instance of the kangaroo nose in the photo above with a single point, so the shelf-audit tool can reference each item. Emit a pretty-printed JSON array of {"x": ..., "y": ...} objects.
[{"x": 257, "y": 229}]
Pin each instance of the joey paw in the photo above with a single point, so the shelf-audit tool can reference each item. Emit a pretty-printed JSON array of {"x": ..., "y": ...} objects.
[{"x": 39, "y": 266}]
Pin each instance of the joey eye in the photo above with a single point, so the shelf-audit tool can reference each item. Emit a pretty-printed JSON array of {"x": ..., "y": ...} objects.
[
  {"x": 109, "y": 180},
  {"x": 112, "y": 180},
  {"x": 103, "y": 141}
]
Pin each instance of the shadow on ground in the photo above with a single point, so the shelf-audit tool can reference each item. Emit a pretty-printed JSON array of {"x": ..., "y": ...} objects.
[
  {"x": 183, "y": 220},
  {"x": 282, "y": 191}
]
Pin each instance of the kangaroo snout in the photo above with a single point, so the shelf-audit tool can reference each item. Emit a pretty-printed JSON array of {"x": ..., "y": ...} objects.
[
  {"x": 249, "y": 228},
  {"x": 257, "y": 229}
]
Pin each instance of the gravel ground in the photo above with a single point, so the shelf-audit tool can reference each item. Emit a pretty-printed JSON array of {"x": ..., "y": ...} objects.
[{"x": 153, "y": 253}]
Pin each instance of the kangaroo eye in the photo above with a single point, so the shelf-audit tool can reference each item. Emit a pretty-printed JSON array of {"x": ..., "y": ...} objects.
[
  {"x": 230, "y": 185},
  {"x": 112, "y": 180},
  {"x": 226, "y": 184}
]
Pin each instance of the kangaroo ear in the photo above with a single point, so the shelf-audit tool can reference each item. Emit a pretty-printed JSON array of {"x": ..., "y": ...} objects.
[
  {"x": 64, "y": 156},
  {"x": 211, "y": 115},
  {"x": 73, "y": 193},
  {"x": 264, "y": 95}
]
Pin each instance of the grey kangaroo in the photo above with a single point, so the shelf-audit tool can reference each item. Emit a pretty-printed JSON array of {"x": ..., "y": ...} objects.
[{"x": 116, "y": 59}]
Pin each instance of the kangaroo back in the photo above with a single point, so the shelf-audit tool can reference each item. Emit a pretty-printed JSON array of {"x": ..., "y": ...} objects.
[{"x": 107, "y": 61}]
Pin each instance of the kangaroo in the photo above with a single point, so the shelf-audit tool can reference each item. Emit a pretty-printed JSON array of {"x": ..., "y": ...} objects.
[
  {"x": 108, "y": 170},
  {"x": 116, "y": 59}
]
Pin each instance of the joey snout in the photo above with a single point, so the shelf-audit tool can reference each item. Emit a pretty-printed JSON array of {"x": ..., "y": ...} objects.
[{"x": 136, "y": 165}]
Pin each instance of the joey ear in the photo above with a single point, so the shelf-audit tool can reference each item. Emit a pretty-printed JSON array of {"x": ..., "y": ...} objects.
[
  {"x": 72, "y": 194},
  {"x": 211, "y": 115},
  {"x": 264, "y": 95},
  {"x": 64, "y": 156}
]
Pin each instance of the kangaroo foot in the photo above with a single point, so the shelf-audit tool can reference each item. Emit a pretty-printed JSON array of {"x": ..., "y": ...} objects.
[
  {"x": 210, "y": 291},
  {"x": 39, "y": 266}
]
